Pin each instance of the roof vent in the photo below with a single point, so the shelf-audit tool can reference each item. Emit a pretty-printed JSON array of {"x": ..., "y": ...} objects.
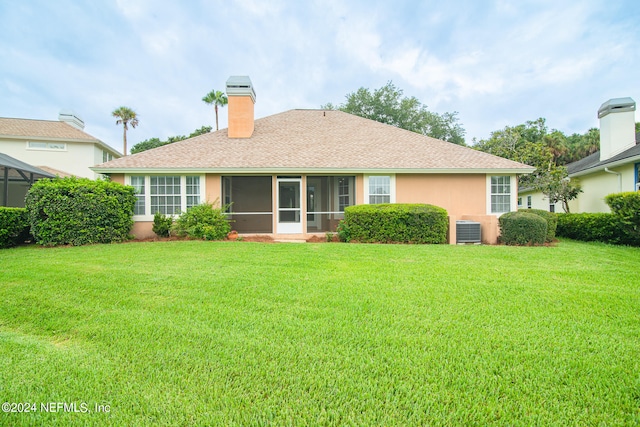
[
  {"x": 68, "y": 116},
  {"x": 616, "y": 105}
]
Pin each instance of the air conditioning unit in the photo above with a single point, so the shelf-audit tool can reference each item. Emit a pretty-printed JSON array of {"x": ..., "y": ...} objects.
[{"x": 468, "y": 232}]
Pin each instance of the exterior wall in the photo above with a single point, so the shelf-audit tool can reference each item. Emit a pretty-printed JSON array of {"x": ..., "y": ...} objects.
[
  {"x": 76, "y": 159},
  {"x": 118, "y": 177},
  {"x": 597, "y": 185},
  {"x": 458, "y": 194},
  {"x": 213, "y": 188},
  {"x": 241, "y": 116},
  {"x": 143, "y": 230},
  {"x": 463, "y": 196},
  {"x": 538, "y": 201}
]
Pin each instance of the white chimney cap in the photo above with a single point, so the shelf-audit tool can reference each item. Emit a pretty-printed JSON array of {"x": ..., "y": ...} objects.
[
  {"x": 72, "y": 118},
  {"x": 616, "y": 105},
  {"x": 241, "y": 86}
]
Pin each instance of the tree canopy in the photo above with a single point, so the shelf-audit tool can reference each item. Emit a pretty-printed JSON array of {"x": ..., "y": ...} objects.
[
  {"x": 548, "y": 150},
  {"x": 148, "y": 144},
  {"x": 216, "y": 98},
  {"x": 387, "y": 105},
  {"x": 126, "y": 116}
]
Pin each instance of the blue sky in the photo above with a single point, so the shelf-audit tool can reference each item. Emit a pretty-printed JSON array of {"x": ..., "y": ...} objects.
[{"x": 497, "y": 62}]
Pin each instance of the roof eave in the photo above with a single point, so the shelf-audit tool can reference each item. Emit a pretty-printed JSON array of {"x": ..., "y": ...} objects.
[
  {"x": 601, "y": 167},
  {"x": 139, "y": 170}
]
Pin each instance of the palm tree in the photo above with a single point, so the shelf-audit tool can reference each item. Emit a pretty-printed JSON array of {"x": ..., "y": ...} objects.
[
  {"x": 126, "y": 116},
  {"x": 216, "y": 98}
]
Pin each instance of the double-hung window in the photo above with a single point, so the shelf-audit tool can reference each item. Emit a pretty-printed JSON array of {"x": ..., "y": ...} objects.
[
  {"x": 500, "y": 194},
  {"x": 167, "y": 194},
  {"x": 379, "y": 189},
  {"x": 137, "y": 182}
]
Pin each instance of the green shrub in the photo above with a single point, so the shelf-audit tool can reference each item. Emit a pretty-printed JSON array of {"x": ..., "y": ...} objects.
[
  {"x": 14, "y": 226},
  {"x": 598, "y": 227},
  {"x": 79, "y": 211},
  {"x": 343, "y": 232},
  {"x": 162, "y": 224},
  {"x": 203, "y": 222},
  {"x": 522, "y": 228},
  {"x": 397, "y": 223},
  {"x": 552, "y": 222},
  {"x": 626, "y": 205}
]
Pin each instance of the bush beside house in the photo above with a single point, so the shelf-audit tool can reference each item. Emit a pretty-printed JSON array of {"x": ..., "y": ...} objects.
[
  {"x": 394, "y": 223},
  {"x": 79, "y": 211},
  {"x": 552, "y": 222},
  {"x": 595, "y": 227},
  {"x": 204, "y": 221},
  {"x": 621, "y": 227},
  {"x": 522, "y": 228},
  {"x": 14, "y": 226}
]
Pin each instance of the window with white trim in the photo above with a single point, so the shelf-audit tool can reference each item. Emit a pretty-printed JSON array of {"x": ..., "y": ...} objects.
[
  {"x": 53, "y": 146},
  {"x": 106, "y": 156},
  {"x": 528, "y": 202},
  {"x": 167, "y": 194},
  {"x": 193, "y": 191},
  {"x": 379, "y": 189},
  {"x": 500, "y": 194},
  {"x": 137, "y": 182}
]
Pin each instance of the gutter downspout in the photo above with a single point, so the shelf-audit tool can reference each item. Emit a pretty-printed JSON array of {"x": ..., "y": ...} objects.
[{"x": 619, "y": 178}]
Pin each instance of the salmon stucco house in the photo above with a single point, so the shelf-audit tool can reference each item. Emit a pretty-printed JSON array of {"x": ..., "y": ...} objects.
[{"x": 292, "y": 174}]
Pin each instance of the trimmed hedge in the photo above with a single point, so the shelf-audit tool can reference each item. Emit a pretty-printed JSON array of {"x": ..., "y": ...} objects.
[
  {"x": 14, "y": 226},
  {"x": 552, "y": 222},
  {"x": 597, "y": 227},
  {"x": 394, "y": 223},
  {"x": 203, "y": 222},
  {"x": 627, "y": 207},
  {"x": 522, "y": 228},
  {"x": 79, "y": 211}
]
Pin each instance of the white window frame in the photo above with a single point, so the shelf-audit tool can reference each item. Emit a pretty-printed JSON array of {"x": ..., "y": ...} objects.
[
  {"x": 513, "y": 199},
  {"x": 48, "y": 146},
  {"x": 148, "y": 215},
  {"x": 392, "y": 187}
]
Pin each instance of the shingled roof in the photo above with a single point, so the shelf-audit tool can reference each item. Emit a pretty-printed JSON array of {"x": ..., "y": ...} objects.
[
  {"x": 314, "y": 140},
  {"x": 592, "y": 163},
  {"x": 47, "y": 129}
]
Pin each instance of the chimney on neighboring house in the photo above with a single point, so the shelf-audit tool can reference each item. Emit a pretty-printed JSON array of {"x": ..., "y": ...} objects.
[
  {"x": 242, "y": 98},
  {"x": 617, "y": 126},
  {"x": 72, "y": 118}
]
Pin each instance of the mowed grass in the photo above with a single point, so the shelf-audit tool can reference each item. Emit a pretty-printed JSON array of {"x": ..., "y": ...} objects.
[{"x": 238, "y": 333}]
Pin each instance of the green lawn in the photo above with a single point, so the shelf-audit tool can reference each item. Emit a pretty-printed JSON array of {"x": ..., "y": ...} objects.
[{"x": 238, "y": 333}]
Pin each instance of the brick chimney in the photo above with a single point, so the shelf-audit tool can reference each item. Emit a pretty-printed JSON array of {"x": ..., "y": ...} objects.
[
  {"x": 617, "y": 126},
  {"x": 242, "y": 98}
]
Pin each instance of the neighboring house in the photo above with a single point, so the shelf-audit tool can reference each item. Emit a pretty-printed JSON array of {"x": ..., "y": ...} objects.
[
  {"x": 16, "y": 178},
  {"x": 613, "y": 169},
  {"x": 292, "y": 174},
  {"x": 60, "y": 145}
]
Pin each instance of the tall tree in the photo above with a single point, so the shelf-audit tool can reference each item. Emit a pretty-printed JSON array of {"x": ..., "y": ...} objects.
[
  {"x": 126, "y": 116},
  {"x": 387, "y": 105},
  {"x": 216, "y": 98}
]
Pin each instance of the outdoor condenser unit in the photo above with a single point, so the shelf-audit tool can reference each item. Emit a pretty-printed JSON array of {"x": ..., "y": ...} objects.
[{"x": 468, "y": 232}]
